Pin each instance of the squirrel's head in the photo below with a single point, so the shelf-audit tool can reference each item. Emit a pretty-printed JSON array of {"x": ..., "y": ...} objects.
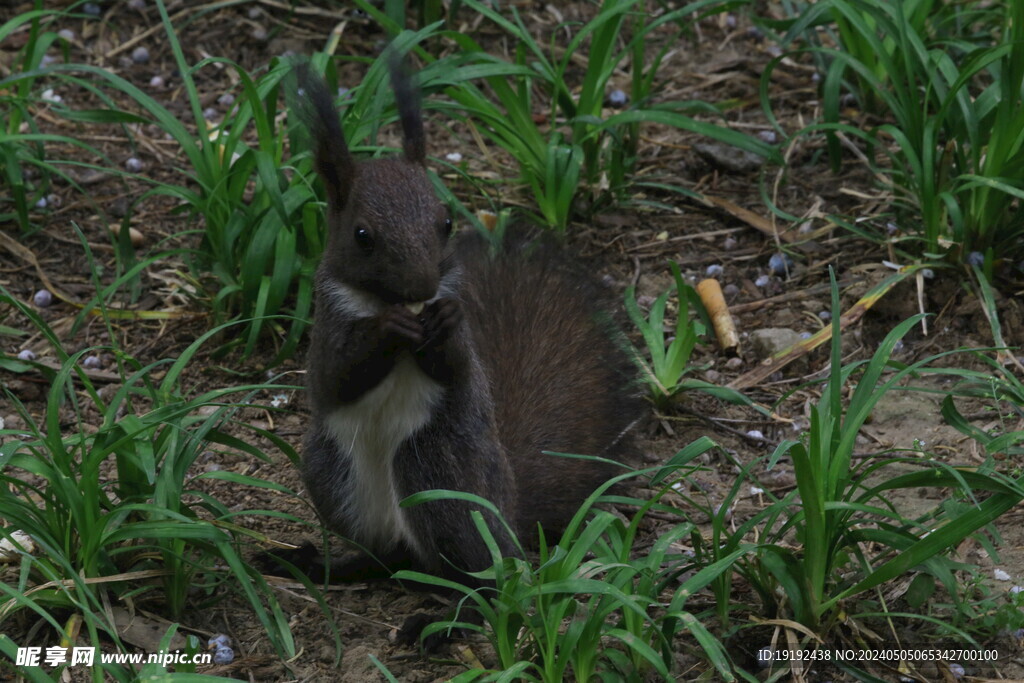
[{"x": 387, "y": 230}]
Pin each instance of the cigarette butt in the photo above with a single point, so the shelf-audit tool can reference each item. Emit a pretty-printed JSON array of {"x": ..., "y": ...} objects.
[
  {"x": 710, "y": 293},
  {"x": 134, "y": 236}
]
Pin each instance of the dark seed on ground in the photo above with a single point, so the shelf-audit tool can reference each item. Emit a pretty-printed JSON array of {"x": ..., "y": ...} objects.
[{"x": 780, "y": 264}]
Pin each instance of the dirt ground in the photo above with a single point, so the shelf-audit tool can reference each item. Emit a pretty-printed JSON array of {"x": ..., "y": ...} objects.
[{"x": 721, "y": 62}]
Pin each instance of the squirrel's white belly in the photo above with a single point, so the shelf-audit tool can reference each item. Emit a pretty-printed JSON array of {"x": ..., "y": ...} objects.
[{"x": 371, "y": 430}]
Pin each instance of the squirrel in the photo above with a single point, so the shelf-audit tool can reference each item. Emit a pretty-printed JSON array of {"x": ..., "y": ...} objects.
[{"x": 435, "y": 363}]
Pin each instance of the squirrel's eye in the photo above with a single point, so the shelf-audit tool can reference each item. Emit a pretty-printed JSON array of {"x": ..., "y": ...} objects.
[
  {"x": 364, "y": 239},
  {"x": 448, "y": 226}
]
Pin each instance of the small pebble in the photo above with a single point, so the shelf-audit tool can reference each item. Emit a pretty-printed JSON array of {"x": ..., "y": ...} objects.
[
  {"x": 140, "y": 55},
  {"x": 1000, "y": 575},
  {"x": 47, "y": 60},
  {"x": 66, "y": 34},
  {"x": 806, "y": 335},
  {"x": 133, "y": 164},
  {"x": 91, "y": 9},
  {"x": 957, "y": 670},
  {"x": 223, "y": 655},
  {"x": 762, "y": 281},
  {"x": 805, "y": 227},
  {"x": 780, "y": 264},
  {"x": 254, "y": 13},
  {"x": 768, "y": 136},
  {"x": 617, "y": 99},
  {"x": 209, "y": 113},
  {"x": 226, "y": 100},
  {"x": 756, "y": 491},
  {"x": 892, "y": 228},
  {"x": 815, "y": 77},
  {"x": 755, "y": 33},
  {"x": 453, "y": 157},
  {"x": 1013, "y": 589},
  {"x": 976, "y": 258},
  {"x": 734, "y": 363},
  {"x": 137, "y": 5},
  {"x": 729, "y": 243},
  {"x": 219, "y": 640},
  {"x": 825, "y": 315},
  {"x": 279, "y": 400},
  {"x": 259, "y": 33},
  {"x": 28, "y": 354},
  {"x": 714, "y": 270},
  {"x": 927, "y": 273},
  {"x": 730, "y": 20},
  {"x": 774, "y": 51},
  {"x": 41, "y": 203},
  {"x": 49, "y": 96},
  {"x": 730, "y": 290},
  {"x": 42, "y": 298},
  {"x": 343, "y": 93},
  {"x": 756, "y": 434},
  {"x": 91, "y": 362},
  {"x": 156, "y": 82},
  {"x": 712, "y": 376}
]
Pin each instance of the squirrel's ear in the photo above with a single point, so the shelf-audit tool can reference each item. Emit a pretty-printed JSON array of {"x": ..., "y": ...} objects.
[
  {"x": 407, "y": 99},
  {"x": 333, "y": 161}
]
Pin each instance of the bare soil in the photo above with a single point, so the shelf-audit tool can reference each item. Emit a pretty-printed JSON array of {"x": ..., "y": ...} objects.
[{"x": 721, "y": 62}]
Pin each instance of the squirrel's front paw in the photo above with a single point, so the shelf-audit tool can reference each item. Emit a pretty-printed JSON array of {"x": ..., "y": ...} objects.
[
  {"x": 440, "y": 319},
  {"x": 399, "y": 322}
]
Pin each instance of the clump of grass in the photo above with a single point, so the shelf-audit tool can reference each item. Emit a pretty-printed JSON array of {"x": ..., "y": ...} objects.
[
  {"x": 578, "y": 157},
  {"x": 1001, "y": 387},
  {"x": 588, "y": 606},
  {"x": 669, "y": 363},
  {"x": 664, "y": 373},
  {"x": 852, "y": 539},
  {"x": 111, "y": 505},
  {"x": 26, "y": 167},
  {"x": 954, "y": 135},
  {"x": 256, "y": 213}
]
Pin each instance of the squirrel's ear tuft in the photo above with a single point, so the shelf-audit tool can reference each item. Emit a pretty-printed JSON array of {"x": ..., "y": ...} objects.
[
  {"x": 316, "y": 107},
  {"x": 407, "y": 99}
]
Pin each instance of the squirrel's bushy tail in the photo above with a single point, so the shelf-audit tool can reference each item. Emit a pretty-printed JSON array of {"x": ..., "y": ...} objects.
[{"x": 560, "y": 377}]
